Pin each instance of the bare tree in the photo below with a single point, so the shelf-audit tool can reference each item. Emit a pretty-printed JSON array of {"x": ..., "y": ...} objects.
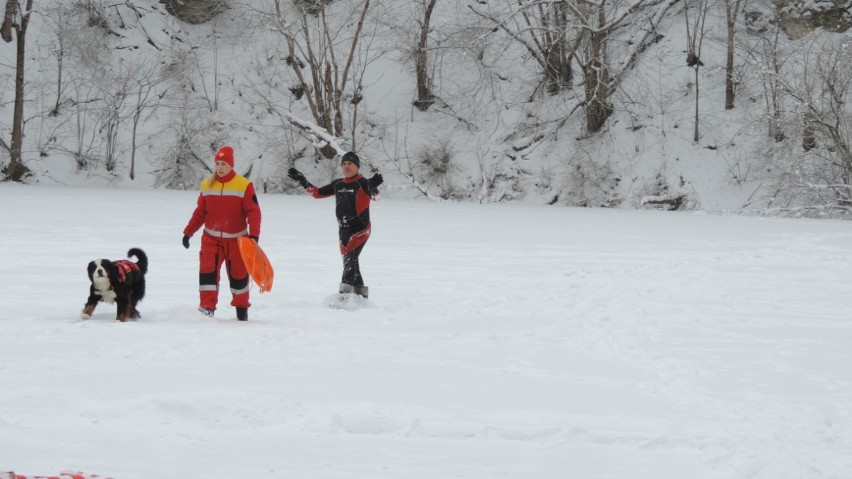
[
  {"x": 147, "y": 99},
  {"x": 695, "y": 33},
  {"x": 180, "y": 166},
  {"x": 59, "y": 50},
  {"x": 126, "y": 93},
  {"x": 770, "y": 72},
  {"x": 323, "y": 79},
  {"x": 826, "y": 97},
  {"x": 86, "y": 120},
  {"x": 114, "y": 91},
  {"x": 541, "y": 27},
  {"x": 592, "y": 55},
  {"x": 544, "y": 28},
  {"x": 425, "y": 97},
  {"x": 823, "y": 94},
  {"x": 17, "y": 19},
  {"x": 597, "y": 22},
  {"x": 732, "y": 10}
]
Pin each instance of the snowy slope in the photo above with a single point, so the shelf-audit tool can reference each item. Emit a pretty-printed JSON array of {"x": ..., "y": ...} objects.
[{"x": 228, "y": 83}]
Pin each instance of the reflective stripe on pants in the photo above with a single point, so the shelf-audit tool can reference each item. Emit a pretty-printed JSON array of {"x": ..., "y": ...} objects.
[{"x": 214, "y": 252}]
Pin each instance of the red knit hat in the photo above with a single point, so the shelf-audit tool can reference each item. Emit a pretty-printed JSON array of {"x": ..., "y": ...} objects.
[{"x": 226, "y": 154}]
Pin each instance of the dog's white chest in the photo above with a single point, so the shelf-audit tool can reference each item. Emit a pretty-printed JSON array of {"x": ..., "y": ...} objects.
[
  {"x": 108, "y": 296},
  {"x": 102, "y": 286}
]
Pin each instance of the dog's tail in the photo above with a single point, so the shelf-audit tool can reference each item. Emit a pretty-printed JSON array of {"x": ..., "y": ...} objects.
[{"x": 142, "y": 258}]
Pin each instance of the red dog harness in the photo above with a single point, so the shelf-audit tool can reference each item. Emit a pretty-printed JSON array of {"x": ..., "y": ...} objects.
[{"x": 123, "y": 267}]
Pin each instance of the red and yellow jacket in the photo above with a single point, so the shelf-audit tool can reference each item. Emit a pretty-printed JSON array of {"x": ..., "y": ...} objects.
[{"x": 225, "y": 206}]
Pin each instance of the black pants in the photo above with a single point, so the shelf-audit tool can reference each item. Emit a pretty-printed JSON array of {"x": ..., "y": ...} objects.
[
  {"x": 351, "y": 268},
  {"x": 351, "y": 245}
]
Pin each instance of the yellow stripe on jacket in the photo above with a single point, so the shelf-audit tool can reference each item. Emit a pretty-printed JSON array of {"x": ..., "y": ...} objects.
[{"x": 225, "y": 208}]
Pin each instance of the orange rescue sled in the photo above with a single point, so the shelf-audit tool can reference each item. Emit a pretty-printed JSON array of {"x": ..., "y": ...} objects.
[{"x": 257, "y": 264}]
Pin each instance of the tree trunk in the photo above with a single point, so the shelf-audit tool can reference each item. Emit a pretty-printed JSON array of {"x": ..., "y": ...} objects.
[
  {"x": 596, "y": 74},
  {"x": 731, "y": 12},
  {"x": 16, "y": 170},
  {"x": 809, "y": 134},
  {"x": 696, "y": 136},
  {"x": 425, "y": 97},
  {"x": 137, "y": 115},
  {"x": 695, "y": 32},
  {"x": 729, "y": 70},
  {"x": 558, "y": 69},
  {"x": 597, "y": 109},
  {"x": 557, "y": 56}
]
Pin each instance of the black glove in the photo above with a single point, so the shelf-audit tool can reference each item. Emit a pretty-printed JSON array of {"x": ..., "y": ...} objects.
[
  {"x": 186, "y": 241},
  {"x": 298, "y": 177},
  {"x": 376, "y": 180},
  {"x": 255, "y": 238}
]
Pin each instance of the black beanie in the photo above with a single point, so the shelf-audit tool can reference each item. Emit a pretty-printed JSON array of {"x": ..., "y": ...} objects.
[{"x": 349, "y": 156}]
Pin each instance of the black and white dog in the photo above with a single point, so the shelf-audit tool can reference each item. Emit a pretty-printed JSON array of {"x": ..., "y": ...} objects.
[{"x": 121, "y": 282}]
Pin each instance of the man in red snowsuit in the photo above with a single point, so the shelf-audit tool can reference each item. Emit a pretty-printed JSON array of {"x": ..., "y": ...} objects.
[{"x": 227, "y": 208}]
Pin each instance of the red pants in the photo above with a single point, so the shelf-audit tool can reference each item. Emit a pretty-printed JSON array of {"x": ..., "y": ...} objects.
[{"x": 214, "y": 252}]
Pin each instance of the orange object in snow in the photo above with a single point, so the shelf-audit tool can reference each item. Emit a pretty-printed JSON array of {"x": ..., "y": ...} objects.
[{"x": 257, "y": 264}]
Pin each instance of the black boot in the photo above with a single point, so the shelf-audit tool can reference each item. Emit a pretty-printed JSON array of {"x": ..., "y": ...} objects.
[
  {"x": 362, "y": 291},
  {"x": 242, "y": 314}
]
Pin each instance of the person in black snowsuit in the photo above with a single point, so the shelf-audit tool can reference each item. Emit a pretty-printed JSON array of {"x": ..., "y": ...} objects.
[{"x": 353, "y": 193}]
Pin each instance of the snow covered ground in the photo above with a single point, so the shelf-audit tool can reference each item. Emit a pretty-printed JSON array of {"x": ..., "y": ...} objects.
[{"x": 500, "y": 341}]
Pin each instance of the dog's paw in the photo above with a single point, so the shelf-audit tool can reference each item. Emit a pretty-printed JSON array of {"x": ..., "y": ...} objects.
[{"x": 87, "y": 311}]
